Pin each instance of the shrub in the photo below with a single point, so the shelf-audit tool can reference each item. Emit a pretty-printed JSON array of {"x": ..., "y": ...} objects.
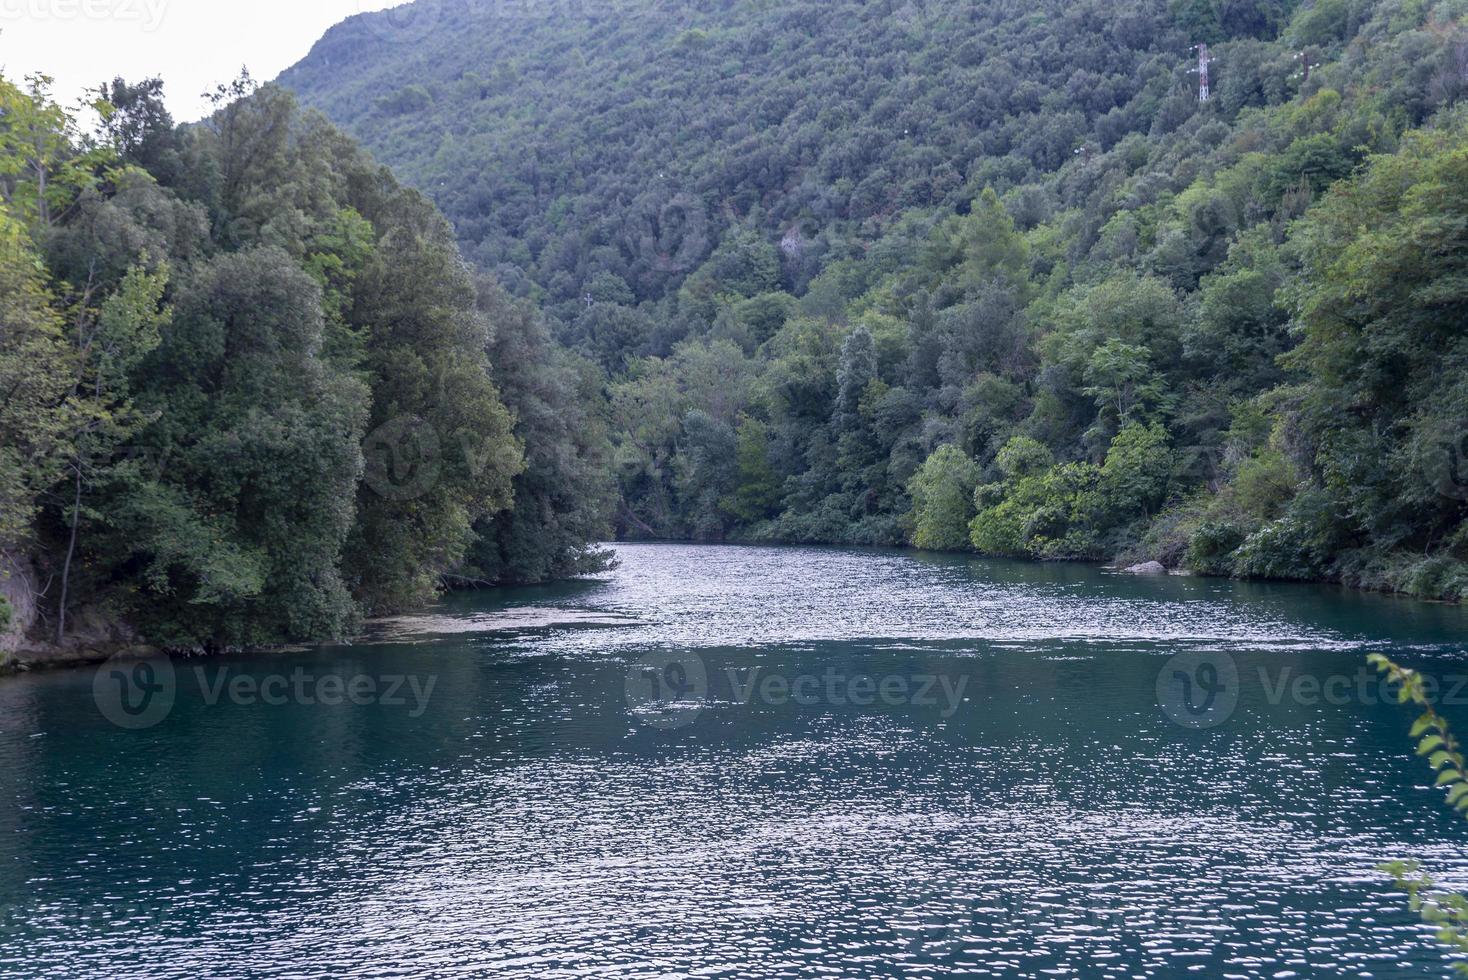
[
  {"x": 1297, "y": 546},
  {"x": 1054, "y": 514},
  {"x": 1138, "y": 469},
  {"x": 943, "y": 500},
  {"x": 1212, "y": 545}
]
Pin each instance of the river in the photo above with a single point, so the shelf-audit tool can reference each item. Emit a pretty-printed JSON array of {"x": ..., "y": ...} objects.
[{"x": 748, "y": 762}]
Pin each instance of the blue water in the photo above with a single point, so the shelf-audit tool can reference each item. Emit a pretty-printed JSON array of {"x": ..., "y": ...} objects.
[{"x": 748, "y": 762}]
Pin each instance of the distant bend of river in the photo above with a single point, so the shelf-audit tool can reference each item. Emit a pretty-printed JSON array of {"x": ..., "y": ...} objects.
[{"x": 748, "y": 763}]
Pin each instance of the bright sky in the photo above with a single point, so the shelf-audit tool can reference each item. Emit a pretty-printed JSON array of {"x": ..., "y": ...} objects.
[{"x": 191, "y": 44}]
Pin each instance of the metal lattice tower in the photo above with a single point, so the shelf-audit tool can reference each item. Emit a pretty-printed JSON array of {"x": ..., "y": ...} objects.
[
  {"x": 1204, "y": 60},
  {"x": 1304, "y": 58}
]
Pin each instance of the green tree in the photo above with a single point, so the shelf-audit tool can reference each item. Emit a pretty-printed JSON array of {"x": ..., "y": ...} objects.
[
  {"x": 942, "y": 500},
  {"x": 190, "y": 369},
  {"x": 240, "y": 530},
  {"x": 706, "y": 471},
  {"x": 744, "y": 264},
  {"x": 435, "y": 410},
  {"x": 757, "y": 493},
  {"x": 1051, "y": 514},
  {"x": 110, "y": 340},
  {"x": 44, "y": 160},
  {"x": 35, "y": 375},
  {"x": 563, "y": 499},
  {"x": 1120, "y": 378},
  {"x": 1137, "y": 471},
  {"x": 1378, "y": 299},
  {"x": 858, "y": 370}
]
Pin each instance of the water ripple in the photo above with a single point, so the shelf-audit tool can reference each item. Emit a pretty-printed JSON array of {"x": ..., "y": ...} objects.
[{"x": 533, "y": 822}]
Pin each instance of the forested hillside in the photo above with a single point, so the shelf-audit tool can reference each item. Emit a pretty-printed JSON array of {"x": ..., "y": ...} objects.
[
  {"x": 566, "y": 140},
  {"x": 978, "y": 275},
  {"x": 250, "y": 391}
]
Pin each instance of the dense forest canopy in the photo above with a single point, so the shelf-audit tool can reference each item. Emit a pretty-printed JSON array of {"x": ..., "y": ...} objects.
[
  {"x": 571, "y": 143},
  {"x": 251, "y": 389},
  {"x": 965, "y": 275},
  {"x": 977, "y": 275}
]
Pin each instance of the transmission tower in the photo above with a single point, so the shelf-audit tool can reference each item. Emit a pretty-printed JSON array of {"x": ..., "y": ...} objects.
[
  {"x": 1204, "y": 60},
  {"x": 1304, "y": 58}
]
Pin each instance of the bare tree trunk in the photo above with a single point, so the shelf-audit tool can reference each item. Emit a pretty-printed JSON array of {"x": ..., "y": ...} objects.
[
  {"x": 43, "y": 211},
  {"x": 76, "y": 520}
]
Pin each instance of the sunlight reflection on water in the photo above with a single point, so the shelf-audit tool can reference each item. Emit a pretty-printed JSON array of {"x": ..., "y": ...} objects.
[{"x": 1048, "y": 821}]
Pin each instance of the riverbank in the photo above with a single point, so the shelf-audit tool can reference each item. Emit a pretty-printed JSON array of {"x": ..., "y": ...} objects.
[
  {"x": 93, "y": 636},
  {"x": 97, "y": 637},
  {"x": 1370, "y": 580},
  {"x": 77, "y": 653},
  {"x": 53, "y": 657}
]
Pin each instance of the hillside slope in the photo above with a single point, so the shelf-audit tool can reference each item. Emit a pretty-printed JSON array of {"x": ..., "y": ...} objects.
[
  {"x": 569, "y": 139},
  {"x": 984, "y": 276}
]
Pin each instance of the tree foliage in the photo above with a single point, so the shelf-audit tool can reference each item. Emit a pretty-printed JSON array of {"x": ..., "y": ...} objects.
[
  {"x": 1229, "y": 325},
  {"x": 1447, "y": 911},
  {"x": 220, "y": 347}
]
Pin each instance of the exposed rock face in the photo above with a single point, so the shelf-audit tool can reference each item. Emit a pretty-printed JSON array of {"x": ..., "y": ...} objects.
[
  {"x": 1148, "y": 568},
  {"x": 18, "y": 588},
  {"x": 93, "y": 637}
]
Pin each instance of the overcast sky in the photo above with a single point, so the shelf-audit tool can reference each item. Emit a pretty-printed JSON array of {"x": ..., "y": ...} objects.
[{"x": 192, "y": 44}]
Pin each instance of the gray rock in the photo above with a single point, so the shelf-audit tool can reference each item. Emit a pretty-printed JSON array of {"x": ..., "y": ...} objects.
[{"x": 1148, "y": 568}]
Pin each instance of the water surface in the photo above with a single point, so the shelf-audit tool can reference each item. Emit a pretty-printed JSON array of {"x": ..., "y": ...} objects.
[{"x": 749, "y": 762}]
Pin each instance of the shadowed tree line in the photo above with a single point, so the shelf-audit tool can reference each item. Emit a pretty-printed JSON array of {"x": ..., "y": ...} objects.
[{"x": 251, "y": 391}]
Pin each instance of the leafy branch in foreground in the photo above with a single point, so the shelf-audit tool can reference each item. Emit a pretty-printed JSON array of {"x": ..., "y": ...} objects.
[{"x": 1447, "y": 911}]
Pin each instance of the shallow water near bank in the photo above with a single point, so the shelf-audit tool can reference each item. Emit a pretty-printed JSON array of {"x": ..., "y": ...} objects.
[{"x": 748, "y": 762}]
